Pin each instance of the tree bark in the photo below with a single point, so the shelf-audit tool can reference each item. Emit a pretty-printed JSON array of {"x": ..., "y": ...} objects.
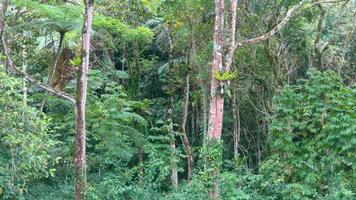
[
  {"x": 81, "y": 94},
  {"x": 184, "y": 136},
  {"x": 216, "y": 99},
  {"x": 232, "y": 32}
]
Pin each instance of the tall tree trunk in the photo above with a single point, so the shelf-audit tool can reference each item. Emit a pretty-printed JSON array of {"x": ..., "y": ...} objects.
[
  {"x": 81, "y": 93},
  {"x": 184, "y": 136},
  {"x": 216, "y": 99}
]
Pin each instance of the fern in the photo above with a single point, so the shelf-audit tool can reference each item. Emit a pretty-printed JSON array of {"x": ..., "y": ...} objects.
[
  {"x": 61, "y": 18},
  {"x": 67, "y": 17}
]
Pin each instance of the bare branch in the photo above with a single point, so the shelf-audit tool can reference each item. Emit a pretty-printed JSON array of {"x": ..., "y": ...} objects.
[
  {"x": 290, "y": 13},
  {"x": 11, "y": 64}
]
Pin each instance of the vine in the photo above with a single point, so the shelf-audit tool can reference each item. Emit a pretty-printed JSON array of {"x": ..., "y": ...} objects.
[{"x": 211, "y": 154}]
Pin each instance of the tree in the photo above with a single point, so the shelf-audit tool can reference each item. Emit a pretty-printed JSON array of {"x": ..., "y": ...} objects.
[
  {"x": 82, "y": 85},
  {"x": 219, "y": 69},
  {"x": 184, "y": 137}
]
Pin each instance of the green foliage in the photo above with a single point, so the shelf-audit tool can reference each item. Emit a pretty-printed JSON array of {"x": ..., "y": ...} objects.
[
  {"x": 27, "y": 144},
  {"x": 225, "y": 76},
  {"x": 211, "y": 154},
  {"x": 76, "y": 61},
  {"x": 62, "y": 18},
  {"x": 312, "y": 139},
  {"x": 161, "y": 155},
  {"x": 300, "y": 146},
  {"x": 67, "y": 17},
  {"x": 239, "y": 184},
  {"x": 139, "y": 34},
  {"x": 152, "y": 5},
  {"x": 114, "y": 126}
]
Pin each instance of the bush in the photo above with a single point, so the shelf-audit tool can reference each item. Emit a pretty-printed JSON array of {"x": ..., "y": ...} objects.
[{"x": 312, "y": 139}]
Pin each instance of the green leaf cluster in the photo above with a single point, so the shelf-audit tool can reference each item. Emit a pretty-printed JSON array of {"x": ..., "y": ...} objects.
[
  {"x": 313, "y": 138},
  {"x": 225, "y": 76},
  {"x": 26, "y": 141}
]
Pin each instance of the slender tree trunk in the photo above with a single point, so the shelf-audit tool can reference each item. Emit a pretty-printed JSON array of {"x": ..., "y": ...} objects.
[
  {"x": 170, "y": 92},
  {"x": 236, "y": 121},
  {"x": 55, "y": 64},
  {"x": 24, "y": 69},
  {"x": 205, "y": 111},
  {"x": 3, "y": 8},
  {"x": 216, "y": 99},
  {"x": 174, "y": 171},
  {"x": 140, "y": 163},
  {"x": 24, "y": 84},
  {"x": 184, "y": 136},
  {"x": 196, "y": 123},
  {"x": 317, "y": 50},
  {"x": 81, "y": 93},
  {"x": 57, "y": 56}
]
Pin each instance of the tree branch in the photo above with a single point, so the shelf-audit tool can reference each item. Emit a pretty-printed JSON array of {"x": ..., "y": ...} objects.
[
  {"x": 290, "y": 13},
  {"x": 12, "y": 65}
]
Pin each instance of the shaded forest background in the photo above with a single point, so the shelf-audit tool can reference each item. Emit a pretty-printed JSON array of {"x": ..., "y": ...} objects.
[{"x": 289, "y": 122}]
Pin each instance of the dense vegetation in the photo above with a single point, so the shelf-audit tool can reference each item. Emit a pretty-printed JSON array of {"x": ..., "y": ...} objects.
[{"x": 283, "y": 82}]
